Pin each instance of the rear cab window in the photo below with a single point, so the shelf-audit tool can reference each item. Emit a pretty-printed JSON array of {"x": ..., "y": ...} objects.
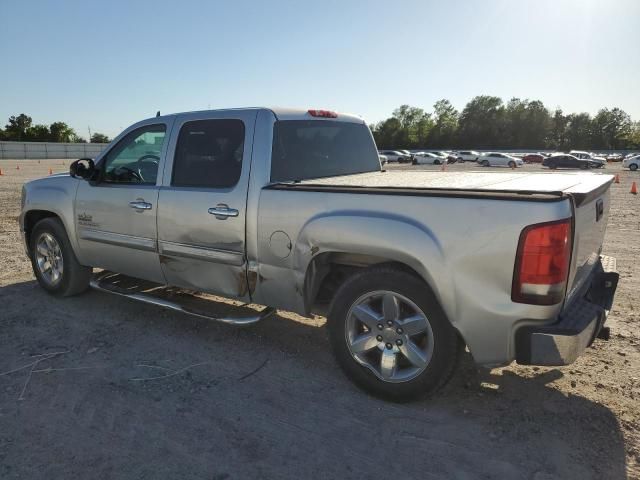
[
  {"x": 209, "y": 154},
  {"x": 306, "y": 149}
]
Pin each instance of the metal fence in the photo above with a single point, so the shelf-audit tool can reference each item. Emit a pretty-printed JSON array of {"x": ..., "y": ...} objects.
[{"x": 38, "y": 150}]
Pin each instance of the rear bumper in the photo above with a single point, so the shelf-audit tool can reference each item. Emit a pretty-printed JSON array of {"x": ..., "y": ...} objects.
[{"x": 577, "y": 326}]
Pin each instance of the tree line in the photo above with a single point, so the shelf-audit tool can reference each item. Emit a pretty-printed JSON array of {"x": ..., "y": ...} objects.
[
  {"x": 20, "y": 128},
  {"x": 486, "y": 122}
]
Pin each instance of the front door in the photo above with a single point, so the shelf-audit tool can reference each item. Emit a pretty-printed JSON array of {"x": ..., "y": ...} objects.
[
  {"x": 202, "y": 203},
  {"x": 116, "y": 218}
]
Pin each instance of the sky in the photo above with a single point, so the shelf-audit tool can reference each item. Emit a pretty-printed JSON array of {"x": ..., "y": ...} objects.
[{"x": 108, "y": 64}]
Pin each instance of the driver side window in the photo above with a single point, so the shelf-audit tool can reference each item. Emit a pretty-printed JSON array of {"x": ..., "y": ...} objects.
[{"x": 135, "y": 158}]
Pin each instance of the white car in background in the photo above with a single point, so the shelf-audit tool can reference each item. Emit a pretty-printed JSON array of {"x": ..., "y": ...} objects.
[
  {"x": 467, "y": 156},
  {"x": 428, "y": 158},
  {"x": 395, "y": 156},
  {"x": 582, "y": 155},
  {"x": 494, "y": 159},
  {"x": 632, "y": 163}
]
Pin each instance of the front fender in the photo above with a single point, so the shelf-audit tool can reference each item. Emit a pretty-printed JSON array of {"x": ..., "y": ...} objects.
[
  {"x": 55, "y": 195},
  {"x": 393, "y": 237}
]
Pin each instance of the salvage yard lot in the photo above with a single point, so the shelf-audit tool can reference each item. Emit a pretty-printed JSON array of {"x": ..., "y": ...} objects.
[{"x": 104, "y": 385}]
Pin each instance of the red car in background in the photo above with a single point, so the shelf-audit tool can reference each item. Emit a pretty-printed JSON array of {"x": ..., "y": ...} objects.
[{"x": 533, "y": 158}]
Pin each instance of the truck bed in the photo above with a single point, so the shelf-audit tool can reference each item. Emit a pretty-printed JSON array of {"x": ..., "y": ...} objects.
[{"x": 516, "y": 185}]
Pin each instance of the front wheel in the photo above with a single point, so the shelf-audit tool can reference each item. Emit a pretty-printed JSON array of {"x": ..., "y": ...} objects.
[
  {"x": 54, "y": 263},
  {"x": 390, "y": 335},
  {"x": 485, "y": 163},
  {"x": 633, "y": 167}
]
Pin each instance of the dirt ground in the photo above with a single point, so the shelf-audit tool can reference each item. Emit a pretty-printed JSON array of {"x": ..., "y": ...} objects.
[{"x": 100, "y": 387}]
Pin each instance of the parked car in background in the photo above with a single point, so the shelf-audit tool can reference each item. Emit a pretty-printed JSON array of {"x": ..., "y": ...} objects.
[
  {"x": 428, "y": 158},
  {"x": 494, "y": 159},
  {"x": 533, "y": 158},
  {"x": 598, "y": 162},
  {"x": 632, "y": 163},
  {"x": 443, "y": 155},
  {"x": 630, "y": 155},
  {"x": 407, "y": 152},
  {"x": 569, "y": 161},
  {"x": 452, "y": 157},
  {"x": 614, "y": 157},
  {"x": 383, "y": 159},
  {"x": 467, "y": 156},
  {"x": 396, "y": 156}
]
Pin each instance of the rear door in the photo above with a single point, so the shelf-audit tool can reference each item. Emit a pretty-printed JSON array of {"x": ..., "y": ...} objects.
[{"x": 202, "y": 202}]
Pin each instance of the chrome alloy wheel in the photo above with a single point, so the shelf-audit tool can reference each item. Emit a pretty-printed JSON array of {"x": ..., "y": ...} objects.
[
  {"x": 388, "y": 334},
  {"x": 49, "y": 259}
]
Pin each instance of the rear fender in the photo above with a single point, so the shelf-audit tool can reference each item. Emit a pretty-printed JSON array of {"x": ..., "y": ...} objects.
[{"x": 394, "y": 238}]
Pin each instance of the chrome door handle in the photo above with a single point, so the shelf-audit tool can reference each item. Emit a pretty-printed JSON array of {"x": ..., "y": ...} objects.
[
  {"x": 140, "y": 205},
  {"x": 222, "y": 211}
]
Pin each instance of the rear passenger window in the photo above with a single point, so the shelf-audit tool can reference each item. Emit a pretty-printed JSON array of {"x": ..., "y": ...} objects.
[{"x": 209, "y": 154}]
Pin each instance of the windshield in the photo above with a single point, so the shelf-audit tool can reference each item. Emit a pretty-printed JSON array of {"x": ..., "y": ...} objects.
[{"x": 304, "y": 149}]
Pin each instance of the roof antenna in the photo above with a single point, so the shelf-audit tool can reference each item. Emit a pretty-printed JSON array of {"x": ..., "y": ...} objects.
[{"x": 158, "y": 113}]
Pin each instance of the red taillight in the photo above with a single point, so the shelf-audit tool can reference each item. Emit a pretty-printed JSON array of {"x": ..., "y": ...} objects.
[
  {"x": 323, "y": 113},
  {"x": 542, "y": 263}
]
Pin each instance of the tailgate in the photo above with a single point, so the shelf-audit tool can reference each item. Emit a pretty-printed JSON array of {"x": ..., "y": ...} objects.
[{"x": 591, "y": 198}]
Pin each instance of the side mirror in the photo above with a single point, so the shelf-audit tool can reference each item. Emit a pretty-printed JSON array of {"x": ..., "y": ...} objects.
[{"x": 83, "y": 168}]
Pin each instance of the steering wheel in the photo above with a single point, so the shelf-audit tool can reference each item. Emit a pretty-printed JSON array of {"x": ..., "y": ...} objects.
[
  {"x": 152, "y": 161},
  {"x": 131, "y": 171}
]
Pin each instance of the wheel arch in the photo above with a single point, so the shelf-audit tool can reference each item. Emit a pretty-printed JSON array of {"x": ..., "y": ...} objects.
[
  {"x": 31, "y": 219},
  {"x": 325, "y": 256}
]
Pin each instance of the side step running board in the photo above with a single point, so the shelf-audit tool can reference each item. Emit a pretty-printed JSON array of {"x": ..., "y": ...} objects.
[{"x": 104, "y": 282}]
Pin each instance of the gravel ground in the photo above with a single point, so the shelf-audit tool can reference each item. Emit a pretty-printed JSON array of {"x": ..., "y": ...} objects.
[{"x": 100, "y": 387}]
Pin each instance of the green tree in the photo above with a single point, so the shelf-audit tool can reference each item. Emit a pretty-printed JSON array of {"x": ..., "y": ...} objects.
[
  {"x": 61, "y": 132},
  {"x": 388, "y": 133},
  {"x": 37, "y": 133},
  {"x": 415, "y": 124},
  {"x": 632, "y": 138},
  {"x": 579, "y": 131},
  {"x": 445, "y": 124},
  {"x": 481, "y": 123},
  {"x": 17, "y": 127},
  {"x": 610, "y": 128},
  {"x": 558, "y": 131},
  {"x": 99, "y": 138}
]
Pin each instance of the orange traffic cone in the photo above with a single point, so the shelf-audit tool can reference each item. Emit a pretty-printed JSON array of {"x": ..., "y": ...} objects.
[
  {"x": 1, "y": 172},
  {"x": 50, "y": 172},
  {"x": 443, "y": 168},
  {"x": 617, "y": 179},
  {"x": 17, "y": 167},
  {"x": 634, "y": 188}
]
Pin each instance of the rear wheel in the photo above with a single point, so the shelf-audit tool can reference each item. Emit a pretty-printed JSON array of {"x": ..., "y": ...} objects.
[
  {"x": 390, "y": 335},
  {"x": 485, "y": 163},
  {"x": 54, "y": 263},
  {"x": 436, "y": 162},
  {"x": 633, "y": 167}
]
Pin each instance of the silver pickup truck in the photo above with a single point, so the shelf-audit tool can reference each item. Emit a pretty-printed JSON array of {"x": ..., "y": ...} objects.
[{"x": 291, "y": 209}]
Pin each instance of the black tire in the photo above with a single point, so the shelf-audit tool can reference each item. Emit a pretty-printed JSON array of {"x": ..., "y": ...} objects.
[
  {"x": 512, "y": 164},
  {"x": 436, "y": 162},
  {"x": 485, "y": 163},
  {"x": 447, "y": 345},
  {"x": 633, "y": 167},
  {"x": 75, "y": 277},
  {"x": 460, "y": 160},
  {"x": 553, "y": 166}
]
